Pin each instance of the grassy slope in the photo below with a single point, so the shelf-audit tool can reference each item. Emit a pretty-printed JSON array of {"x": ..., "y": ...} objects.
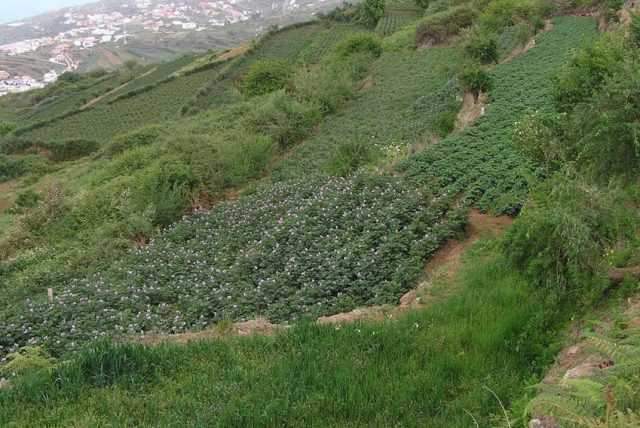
[{"x": 424, "y": 369}]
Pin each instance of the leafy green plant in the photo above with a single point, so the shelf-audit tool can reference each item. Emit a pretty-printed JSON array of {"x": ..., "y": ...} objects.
[
  {"x": 476, "y": 80},
  {"x": 438, "y": 27},
  {"x": 483, "y": 47},
  {"x": 358, "y": 43},
  {"x": 266, "y": 76},
  {"x": 371, "y": 11},
  {"x": 560, "y": 237},
  {"x": 26, "y": 360}
]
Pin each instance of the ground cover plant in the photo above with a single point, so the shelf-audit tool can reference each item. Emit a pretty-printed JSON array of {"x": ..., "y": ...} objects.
[
  {"x": 483, "y": 163},
  {"x": 431, "y": 365},
  {"x": 303, "y": 248}
]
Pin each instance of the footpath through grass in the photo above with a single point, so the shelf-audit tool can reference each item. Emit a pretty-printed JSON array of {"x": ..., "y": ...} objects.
[{"x": 426, "y": 369}]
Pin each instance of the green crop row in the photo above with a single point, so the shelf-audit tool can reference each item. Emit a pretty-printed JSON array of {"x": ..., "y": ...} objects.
[{"x": 482, "y": 163}]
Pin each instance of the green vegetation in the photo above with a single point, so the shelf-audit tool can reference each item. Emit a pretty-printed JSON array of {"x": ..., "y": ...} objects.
[
  {"x": 371, "y": 11},
  {"x": 266, "y": 76},
  {"x": 482, "y": 162},
  {"x": 313, "y": 172},
  {"x": 428, "y": 365}
]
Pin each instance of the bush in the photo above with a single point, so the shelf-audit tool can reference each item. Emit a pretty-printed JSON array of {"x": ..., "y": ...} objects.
[
  {"x": 143, "y": 136},
  {"x": 586, "y": 71},
  {"x": 605, "y": 130},
  {"x": 349, "y": 155},
  {"x": 444, "y": 124},
  {"x": 437, "y": 28},
  {"x": 483, "y": 47},
  {"x": 329, "y": 90},
  {"x": 168, "y": 186},
  {"x": 371, "y": 11},
  {"x": 503, "y": 13},
  {"x": 284, "y": 119},
  {"x": 266, "y": 76},
  {"x": 476, "y": 80},
  {"x": 634, "y": 30},
  {"x": 26, "y": 360},
  {"x": 6, "y": 127},
  {"x": 71, "y": 149},
  {"x": 560, "y": 237},
  {"x": 10, "y": 168},
  {"x": 224, "y": 160},
  {"x": 358, "y": 43},
  {"x": 539, "y": 136}
]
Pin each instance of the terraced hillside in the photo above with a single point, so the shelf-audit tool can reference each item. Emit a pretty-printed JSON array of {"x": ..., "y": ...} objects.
[{"x": 326, "y": 174}]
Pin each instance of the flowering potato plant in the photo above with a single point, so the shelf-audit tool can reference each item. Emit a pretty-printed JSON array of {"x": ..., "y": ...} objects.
[{"x": 301, "y": 248}]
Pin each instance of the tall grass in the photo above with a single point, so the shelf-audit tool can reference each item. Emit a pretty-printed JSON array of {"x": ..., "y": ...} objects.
[{"x": 428, "y": 368}]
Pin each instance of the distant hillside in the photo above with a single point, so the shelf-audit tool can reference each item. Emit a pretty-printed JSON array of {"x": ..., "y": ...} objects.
[{"x": 108, "y": 33}]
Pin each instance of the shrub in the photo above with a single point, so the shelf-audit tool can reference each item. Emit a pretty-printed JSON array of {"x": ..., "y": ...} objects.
[
  {"x": 224, "y": 160},
  {"x": 349, "y": 155},
  {"x": 634, "y": 30},
  {"x": 10, "y": 168},
  {"x": 25, "y": 201},
  {"x": 502, "y": 13},
  {"x": 6, "y": 127},
  {"x": 605, "y": 130},
  {"x": 560, "y": 237},
  {"x": 71, "y": 149},
  {"x": 266, "y": 76},
  {"x": 539, "y": 136},
  {"x": 329, "y": 90},
  {"x": 476, "y": 80},
  {"x": 438, "y": 27},
  {"x": 51, "y": 207},
  {"x": 143, "y": 136},
  {"x": 168, "y": 186},
  {"x": 284, "y": 119},
  {"x": 586, "y": 71},
  {"x": 483, "y": 47},
  {"x": 28, "y": 359},
  {"x": 371, "y": 11},
  {"x": 444, "y": 124},
  {"x": 358, "y": 43}
]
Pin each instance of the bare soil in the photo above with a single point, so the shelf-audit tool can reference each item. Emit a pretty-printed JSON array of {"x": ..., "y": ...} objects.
[{"x": 366, "y": 83}]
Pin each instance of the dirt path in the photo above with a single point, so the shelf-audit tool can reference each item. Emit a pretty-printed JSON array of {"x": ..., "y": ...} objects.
[
  {"x": 366, "y": 83},
  {"x": 470, "y": 111},
  {"x": 445, "y": 264},
  {"x": 114, "y": 90},
  {"x": 237, "y": 51},
  {"x": 6, "y": 189}
]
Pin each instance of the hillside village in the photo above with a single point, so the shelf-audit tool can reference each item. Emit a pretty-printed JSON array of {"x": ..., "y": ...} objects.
[{"x": 85, "y": 30}]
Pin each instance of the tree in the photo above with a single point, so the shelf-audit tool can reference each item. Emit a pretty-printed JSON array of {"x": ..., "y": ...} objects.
[
  {"x": 423, "y": 4},
  {"x": 371, "y": 11},
  {"x": 483, "y": 47},
  {"x": 476, "y": 80}
]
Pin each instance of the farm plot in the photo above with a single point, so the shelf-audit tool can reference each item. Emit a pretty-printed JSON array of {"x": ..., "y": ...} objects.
[
  {"x": 309, "y": 247},
  {"x": 384, "y": 115},
  {"x": 394, "y": 19},
  {"x": 165, "y": 101},
  {"x": 482, "y": 162}
]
